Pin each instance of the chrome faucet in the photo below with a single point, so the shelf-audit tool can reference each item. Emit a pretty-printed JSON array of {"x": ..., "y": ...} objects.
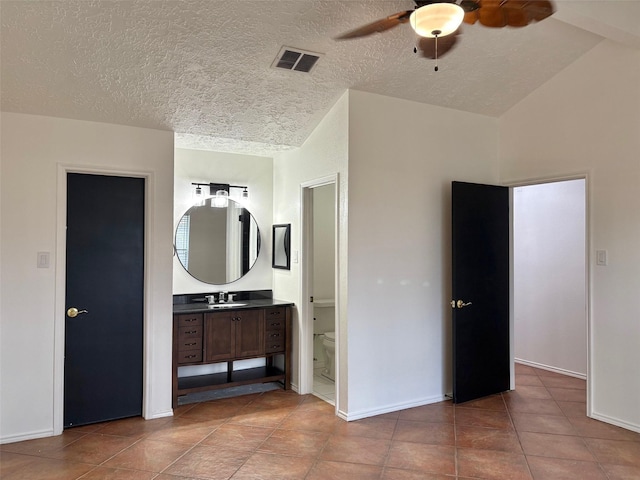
[
  {"x": 221, "y": 297},
  {"x": 211, "y": 299}
]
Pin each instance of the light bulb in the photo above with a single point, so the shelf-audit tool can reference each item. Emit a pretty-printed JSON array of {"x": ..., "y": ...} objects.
[{"x": 221, "y": 199}]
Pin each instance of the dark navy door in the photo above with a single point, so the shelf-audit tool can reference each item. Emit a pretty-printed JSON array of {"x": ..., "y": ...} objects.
[
  {"x": 480, "y": 254},
  {"x": 105, "y": 285}
]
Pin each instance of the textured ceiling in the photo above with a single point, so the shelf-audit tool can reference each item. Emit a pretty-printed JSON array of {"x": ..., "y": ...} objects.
[{"x": 203, "y": 68}]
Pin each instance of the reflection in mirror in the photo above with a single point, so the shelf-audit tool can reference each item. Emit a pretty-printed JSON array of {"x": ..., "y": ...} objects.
[
  {"x": 281, "y": 257},
  {"x": 217, "y": 245}
]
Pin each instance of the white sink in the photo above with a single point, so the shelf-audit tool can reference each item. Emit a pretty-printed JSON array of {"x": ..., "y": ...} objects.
[{"x": 226, "y": 305}]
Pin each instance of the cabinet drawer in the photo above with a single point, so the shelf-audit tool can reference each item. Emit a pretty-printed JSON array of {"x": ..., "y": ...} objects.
[
  {"x": 185, "y": 333},
  {"x": 189, "y": 320},
  {"x": 189, "y": 343},
  {"x": 274, "y": 323},
  {"x": 274, "y": 314},
  {"x": 275, "y": 346},
  {"x": 190, "y": 356},
  {"x": 277, "y": 336}
]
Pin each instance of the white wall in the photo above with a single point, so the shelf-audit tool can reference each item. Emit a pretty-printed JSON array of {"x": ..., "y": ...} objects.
[
  {"x": 34, "y": 149},
  {"x": 587, "y": 119},
  {"x": 402, "y": 159},
  {"x": 252, "y": 171},
  {"x": 549, "y": 284},
  {"x": 324, "y": 153}
]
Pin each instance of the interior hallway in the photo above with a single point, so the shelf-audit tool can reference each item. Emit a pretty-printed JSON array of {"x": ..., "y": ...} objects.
[{"x": 539, "y": 431}]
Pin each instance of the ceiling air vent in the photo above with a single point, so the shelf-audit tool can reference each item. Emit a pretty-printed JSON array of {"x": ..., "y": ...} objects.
[{"x": 295, "y": 59}]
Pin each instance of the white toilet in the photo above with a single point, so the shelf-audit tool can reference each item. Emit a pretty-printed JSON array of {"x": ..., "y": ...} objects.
[{"x": 329, "y": 346}]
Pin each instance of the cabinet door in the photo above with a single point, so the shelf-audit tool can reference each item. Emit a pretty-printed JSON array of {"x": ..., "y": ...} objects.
[
  {"x": 249, "y": 333},
  {"x": 219, "y": 336}
]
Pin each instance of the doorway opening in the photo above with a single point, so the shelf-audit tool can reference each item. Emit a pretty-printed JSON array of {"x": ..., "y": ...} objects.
[
  {"x": 319, "y": 362},
  {"x": 550, "y": 282}
]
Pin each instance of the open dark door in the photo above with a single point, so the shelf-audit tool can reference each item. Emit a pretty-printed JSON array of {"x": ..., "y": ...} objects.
[
  {"x": 480, "y": 254},
  {"x": 104, "y": 298}
]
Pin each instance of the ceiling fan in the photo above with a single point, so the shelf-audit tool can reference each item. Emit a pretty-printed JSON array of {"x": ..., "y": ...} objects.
[{"x": 439, "y": 20}]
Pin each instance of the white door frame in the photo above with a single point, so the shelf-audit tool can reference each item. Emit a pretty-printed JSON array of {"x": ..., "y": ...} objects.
[
  {"x": 586, "y": 176},
  {"x": 305, "y": 339},
  {"x": 60, "y": 283}
]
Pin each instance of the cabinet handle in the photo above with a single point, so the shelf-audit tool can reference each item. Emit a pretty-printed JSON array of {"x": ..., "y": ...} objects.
[
  {"x": 274, "y": 313},
  {"x": 190, "y": 356},
  {"x": 275, "y": 335},
  {"x": 190, "y": 344},
  {"x": 275, "y": 324},
  {"x": 192, "y": 331},
  {"x": 275, "y": 346},
  {"x": 190, "y": 319}
]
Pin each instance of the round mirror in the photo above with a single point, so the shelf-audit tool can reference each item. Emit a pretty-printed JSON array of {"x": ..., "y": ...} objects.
[{"x": 217, "y": 244}]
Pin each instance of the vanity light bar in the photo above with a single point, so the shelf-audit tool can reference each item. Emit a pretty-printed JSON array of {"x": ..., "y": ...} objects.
[{"x": 214, "y": 187}]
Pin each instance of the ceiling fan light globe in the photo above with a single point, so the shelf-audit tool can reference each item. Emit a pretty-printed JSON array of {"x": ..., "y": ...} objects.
[{"x": 436, "y": 19}]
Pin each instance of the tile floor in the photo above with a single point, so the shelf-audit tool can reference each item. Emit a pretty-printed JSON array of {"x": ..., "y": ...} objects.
[
  {"x": 323, "y": 387},
  {"x": 539, "y": 431}
]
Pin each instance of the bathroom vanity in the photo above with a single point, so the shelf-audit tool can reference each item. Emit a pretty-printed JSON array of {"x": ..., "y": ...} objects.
[{"x": 221, "y": 336}]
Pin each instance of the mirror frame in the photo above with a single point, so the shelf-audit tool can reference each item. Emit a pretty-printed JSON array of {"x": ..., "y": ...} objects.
[
  {"x": 248, "y": 267},
  {"x": 281, "y": 246}
]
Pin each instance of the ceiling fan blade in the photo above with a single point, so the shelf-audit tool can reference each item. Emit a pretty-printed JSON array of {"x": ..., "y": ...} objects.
[
  {"x": 539, "y": 9},
  {"x": 514, "y": 13},
  {"x": 522, "y": 12},
  {"x": 427, "y": 46},
  {"x": 516, "y": 17},
  {"x": 491, "y": 15},
  {"x": 378, "y": 26},
  {"x": 470, "y": 17}
]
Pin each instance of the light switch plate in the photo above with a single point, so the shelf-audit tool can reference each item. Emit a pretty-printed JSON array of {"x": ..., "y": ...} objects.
[
  {"x": 43, "y": 260},
  {"x": 601, "y": 257}
]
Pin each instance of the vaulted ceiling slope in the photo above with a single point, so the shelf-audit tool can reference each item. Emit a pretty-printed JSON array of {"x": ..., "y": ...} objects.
[{"x": 202, "y": 68}]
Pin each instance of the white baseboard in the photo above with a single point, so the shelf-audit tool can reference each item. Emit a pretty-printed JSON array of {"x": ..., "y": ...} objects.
[
  {"x": 166, "y": 413},
  {"x": 549, "y": 368},
  {"x": 390, "y": 408},
  {"x": 617, "y": 422},
  {"x": 27, "y": 436}
]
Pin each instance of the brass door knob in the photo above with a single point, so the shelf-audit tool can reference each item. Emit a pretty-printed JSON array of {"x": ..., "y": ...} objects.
[
  {"x": 459, "y": 304},
  {"x": 73, "y": 312}
]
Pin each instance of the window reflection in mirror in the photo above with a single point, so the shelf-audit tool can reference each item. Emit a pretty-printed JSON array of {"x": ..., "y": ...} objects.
[{"x": 217, "y": 245}]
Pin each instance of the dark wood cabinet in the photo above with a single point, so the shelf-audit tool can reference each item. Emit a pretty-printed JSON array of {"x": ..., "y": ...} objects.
[
  {"x": 188, "y": 347},
  {"x": 234, "y": 335},
  {"x": 275, "y": 330},
  {"x": 225, "y": 336}
]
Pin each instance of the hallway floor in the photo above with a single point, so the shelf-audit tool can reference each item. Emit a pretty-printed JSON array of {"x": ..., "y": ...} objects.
[{"x": 539, "y": 431}]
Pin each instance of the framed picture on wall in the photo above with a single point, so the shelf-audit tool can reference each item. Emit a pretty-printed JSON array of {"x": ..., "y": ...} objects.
[{"x": 281, "y": 246}]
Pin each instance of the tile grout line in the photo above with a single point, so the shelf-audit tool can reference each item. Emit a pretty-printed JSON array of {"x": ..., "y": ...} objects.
[
  {"x": 517, "y": 432},
  {"x": 456, "y": 463},
  {"x": 198, "y": 443},
  {"x": 386, "y": 457}
]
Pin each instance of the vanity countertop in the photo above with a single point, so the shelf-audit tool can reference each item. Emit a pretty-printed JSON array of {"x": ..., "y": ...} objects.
[{"x": 217, "y": 307}]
